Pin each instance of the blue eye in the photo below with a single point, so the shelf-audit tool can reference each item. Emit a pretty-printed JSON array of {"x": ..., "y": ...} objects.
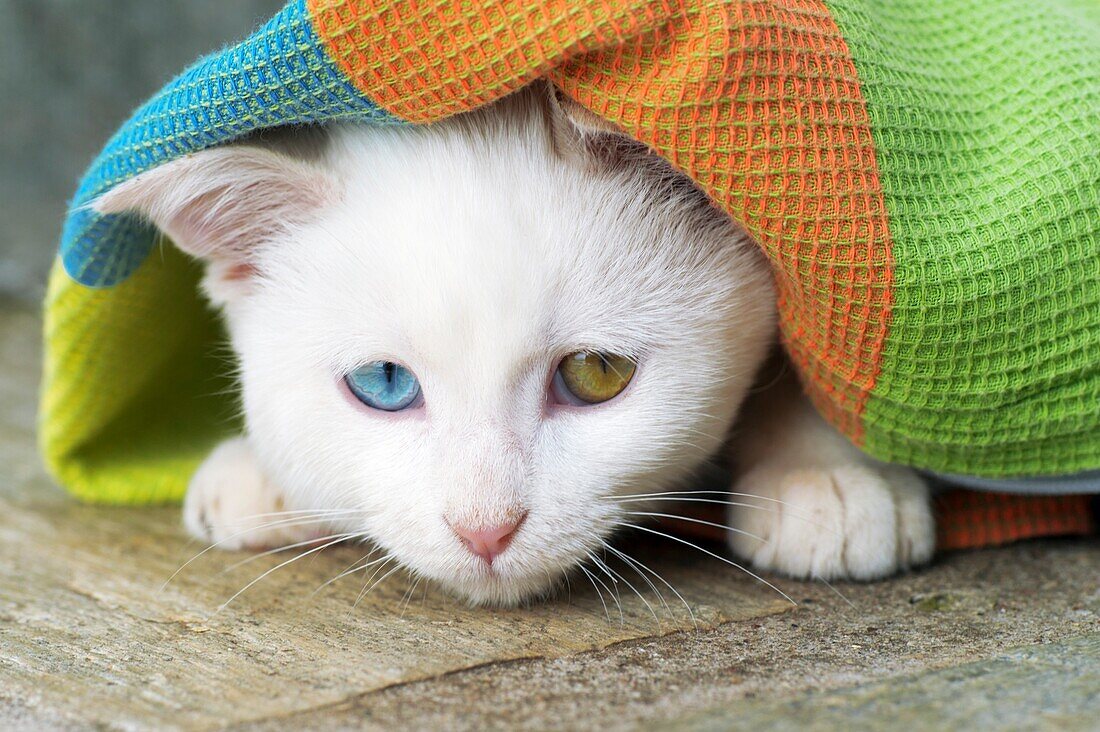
[{"x": 384, "y": 385}]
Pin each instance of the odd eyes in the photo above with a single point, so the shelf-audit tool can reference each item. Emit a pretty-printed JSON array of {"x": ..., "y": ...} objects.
[
  {"x": 585, "y": 378},
  {"x": 384, "y": 385},
  {"x": 581, "y": 379}
]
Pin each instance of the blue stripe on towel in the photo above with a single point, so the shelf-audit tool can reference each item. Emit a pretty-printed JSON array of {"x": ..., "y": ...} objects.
[{"x": 277, "y": 76}]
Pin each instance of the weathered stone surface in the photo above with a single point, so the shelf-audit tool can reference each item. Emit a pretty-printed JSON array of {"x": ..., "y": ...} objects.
[
  {"x": 1056, "y": 686},
  {"x": 759, "y": 674},
  {"x": 89, "y": 631}
]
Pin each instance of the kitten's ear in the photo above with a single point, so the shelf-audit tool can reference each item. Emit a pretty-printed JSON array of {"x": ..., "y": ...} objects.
[
  {"x": 585, "y": 136},
  {"x": 223, "y": 204}
]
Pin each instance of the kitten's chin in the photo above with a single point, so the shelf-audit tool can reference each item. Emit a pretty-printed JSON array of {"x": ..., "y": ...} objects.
[{"x": 501, "y": 590}]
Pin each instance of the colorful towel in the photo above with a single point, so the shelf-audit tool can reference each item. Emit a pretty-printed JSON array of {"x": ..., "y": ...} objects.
[{"x": 923, "y": 174}]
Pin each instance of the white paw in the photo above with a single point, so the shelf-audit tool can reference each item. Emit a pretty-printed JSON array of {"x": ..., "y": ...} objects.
[
  {"x": 851, "y": 521},
  {"x": 232, "y": 504}
]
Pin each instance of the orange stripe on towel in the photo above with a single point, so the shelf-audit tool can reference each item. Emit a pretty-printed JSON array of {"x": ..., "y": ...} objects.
[
  {"x": 424, "y": 61},
  {"x": 969, "y": 519}
]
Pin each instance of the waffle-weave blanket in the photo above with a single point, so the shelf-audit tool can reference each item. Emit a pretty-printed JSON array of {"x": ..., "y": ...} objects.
[{"x": 924, "y": 176}]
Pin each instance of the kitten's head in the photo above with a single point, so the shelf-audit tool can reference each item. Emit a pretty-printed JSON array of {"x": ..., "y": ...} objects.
[{"x": 474, "y": 336}]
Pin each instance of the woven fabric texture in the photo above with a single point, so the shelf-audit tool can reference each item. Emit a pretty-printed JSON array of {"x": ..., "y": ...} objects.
[
  {"x": 968, "y": 519},
  {"x": 924, "y": 176},
  {"x": 986, "y": 118}
]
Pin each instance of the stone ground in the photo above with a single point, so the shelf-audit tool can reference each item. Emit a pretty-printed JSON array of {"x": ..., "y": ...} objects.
[{"x": 91, "y": 637}]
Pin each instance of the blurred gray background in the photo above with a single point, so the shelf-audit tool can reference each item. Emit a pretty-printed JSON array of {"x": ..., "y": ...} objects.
[{"x": 71, "y": 71}]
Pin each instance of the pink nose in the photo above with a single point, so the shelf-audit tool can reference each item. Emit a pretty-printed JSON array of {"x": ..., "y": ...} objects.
[{"x": 488, "y": 542}]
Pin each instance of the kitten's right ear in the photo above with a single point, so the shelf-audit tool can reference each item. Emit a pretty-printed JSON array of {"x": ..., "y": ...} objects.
[
  {"x": 581, "y": 135},
  {"x": 223, "y": 204}
]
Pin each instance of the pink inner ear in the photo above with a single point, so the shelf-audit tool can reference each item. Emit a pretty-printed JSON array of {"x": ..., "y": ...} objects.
[
  {"x": 220, "y": 204},
  {"x": 238, "y": 272}
]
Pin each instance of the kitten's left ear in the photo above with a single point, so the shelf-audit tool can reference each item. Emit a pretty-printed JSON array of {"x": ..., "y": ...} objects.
[{"x": 223, "y": 205}]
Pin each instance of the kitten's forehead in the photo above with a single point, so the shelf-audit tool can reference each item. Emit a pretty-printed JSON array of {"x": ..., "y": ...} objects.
[
  {"x": 493, "y": 268},
  {"x": 457, "y": 266},
  {"x": 481, "y": 253}
]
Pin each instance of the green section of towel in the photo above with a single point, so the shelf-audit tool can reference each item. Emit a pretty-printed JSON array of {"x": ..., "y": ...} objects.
[
  {"x": 986, "y": 120},
  {"x": 130, "y": 425}
]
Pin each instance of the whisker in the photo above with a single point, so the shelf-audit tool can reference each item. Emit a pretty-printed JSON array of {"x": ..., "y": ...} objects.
[
  {"x": 714, "y": 501},
  {"x": 408, "y": 595},
  {"x": 636, "y": 563},
  {"x": 645, "y": 579},
  {"x": 652, "y": 587},
  {"x": 367, "y": 582},
  {"x": 278, "y": 566},
  {"x": 695, "y": 521},
  {"x": 614, "y": 586},
  {"x": 309, "y": 511},
  {"x": 709, "y": 492},
  {"x": 552, "y": 585},
  {"x": 366, "y": 591},
  {"x": 781, "y": 372},
  {"x": 269, "y": 525},
  {"x": 615, "y": 596},
  {"x": 711, "y": 554},
  {"x": 598, "y": 593},
  {"x": 790, "y": 510},
  {"x": 286, "y": 547},
  {"x": 838, "y": 592},
  {"x": 354, "y": 568},
  {"x": 615, "y": 576}
]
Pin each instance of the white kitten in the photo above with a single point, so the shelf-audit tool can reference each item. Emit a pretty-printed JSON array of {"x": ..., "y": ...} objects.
[{"x": 459, "y": 266}]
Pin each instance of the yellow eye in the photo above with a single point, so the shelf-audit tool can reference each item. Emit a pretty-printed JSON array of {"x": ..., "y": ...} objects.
[{"x": 591, "y": 378}]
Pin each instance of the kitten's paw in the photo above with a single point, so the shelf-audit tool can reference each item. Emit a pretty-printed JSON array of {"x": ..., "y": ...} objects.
[
  {"x": 851, "y": 521},
  {"x": 230, "y": 503}
]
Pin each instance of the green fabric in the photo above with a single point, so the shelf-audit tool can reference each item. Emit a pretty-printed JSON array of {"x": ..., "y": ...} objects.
[
  {"x": 135, "y": 425},
  {"x": 986, "y": 120}
]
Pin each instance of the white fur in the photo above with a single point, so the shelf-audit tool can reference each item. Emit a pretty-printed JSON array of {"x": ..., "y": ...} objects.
[
  {"x": 822, "y": 508},
  {"x": 472, "y": 253},
  {"x": 233, "y": 503}
]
